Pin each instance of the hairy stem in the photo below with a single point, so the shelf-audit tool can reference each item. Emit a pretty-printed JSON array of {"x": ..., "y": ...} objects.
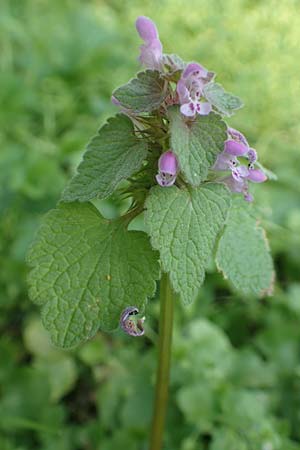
[{"x": 164, "y": 360}]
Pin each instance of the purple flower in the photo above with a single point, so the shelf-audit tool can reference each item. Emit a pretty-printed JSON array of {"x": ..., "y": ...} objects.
[
  {"x": 189, "y": 90},
  {"x": 238, "y": 145},
  {"x": 167, "y": 169},
  {"x": 238, "y": 181},
  {"x": 239, "y": 173},
  {"x": 151, "y": 51},
  {"x": 238, "y": 185},
  {"x": 130, "y": 323},
  {"x": 225, "y": 161}
]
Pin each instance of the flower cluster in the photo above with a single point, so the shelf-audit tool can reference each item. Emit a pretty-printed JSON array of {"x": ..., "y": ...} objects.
[
  {"x": 240, "y": 174},
  {"x": 190, "y": 97}
]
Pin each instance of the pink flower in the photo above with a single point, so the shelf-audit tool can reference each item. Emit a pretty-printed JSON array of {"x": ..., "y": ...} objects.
[
  {"x": 167, "y": 169},
  {"x": 189, "y": 90},
  {"x": 238, "y": 181},
  {"x": 151, "y": 51}
]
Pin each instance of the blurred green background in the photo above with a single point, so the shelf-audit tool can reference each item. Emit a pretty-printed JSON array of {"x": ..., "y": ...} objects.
[{"x": 235, "y": 381}]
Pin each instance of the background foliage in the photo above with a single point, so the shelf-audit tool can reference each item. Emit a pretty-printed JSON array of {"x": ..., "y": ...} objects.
[{"x": 236, "y": 361}]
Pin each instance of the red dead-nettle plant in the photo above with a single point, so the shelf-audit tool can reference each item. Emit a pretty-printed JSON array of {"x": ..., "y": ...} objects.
[{"x": 171, "y": 152}]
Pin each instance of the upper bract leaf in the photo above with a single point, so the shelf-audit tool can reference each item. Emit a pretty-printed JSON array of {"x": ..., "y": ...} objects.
[
  {"x": 243, "y": 253},
  {"x": 197, "y": 143},
  {"x": 184, "y": 226},
  {"x": 225, "y": 102},
  {"x": 142, "y": 94},
  {"x": 86, "y": 270},
  {"x": 114, "y": 154}
]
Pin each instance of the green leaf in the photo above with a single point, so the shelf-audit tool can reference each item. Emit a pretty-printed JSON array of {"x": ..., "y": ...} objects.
[
  {"x": 184, "y": 226},
  {"x": 196, "y": 144},
  {"x": 144, "y": 93},
  {"x": 243, "y": 253},
  {"x": 86, "y": 271},
  {"x": 113, "y": 155},
  {"x": 197, "y": 403},
  {"x": 173, "y": 61},
  {"x": 225, "y": 102},
  {"x": 61, "y": 373}
]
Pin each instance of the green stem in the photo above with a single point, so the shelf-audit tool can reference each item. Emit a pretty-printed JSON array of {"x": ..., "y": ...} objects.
[{"x": 164, "y": 362}]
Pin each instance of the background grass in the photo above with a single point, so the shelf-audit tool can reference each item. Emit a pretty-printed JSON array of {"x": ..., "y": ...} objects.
[{"x": 236, "y": 362}]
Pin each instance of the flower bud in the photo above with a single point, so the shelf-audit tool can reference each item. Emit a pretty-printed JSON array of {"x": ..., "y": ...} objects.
[
  {"x": 150, "y": 52},
  {"x": 130, "y": 323},
  {"x": 146, "y": 29}
]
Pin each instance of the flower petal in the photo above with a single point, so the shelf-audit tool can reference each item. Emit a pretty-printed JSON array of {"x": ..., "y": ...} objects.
[
  {"x": 225, "y": 162},
  {"x": 151, "y": 54},
  {"x": 165, "y": 181},
  {"x": 257, "y": 176},
  {"x": 237, "y": 136},
  {"x": 235, "y": 148},
  {"x": 194, "y": 69},
  {"x": 183, "y": 93},
  {"x": 252, "y": 155},
  {"x": 188, "y": 109},
  {"x": 205, "y": 108},
  {"x": 168, "y": 163}
]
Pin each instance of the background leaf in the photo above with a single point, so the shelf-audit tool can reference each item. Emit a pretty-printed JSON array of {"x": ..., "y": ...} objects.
[
  {"x": 225, "y": 102},
  {"x": 196, "y": 144},
  {"x": 243, "y": 253},
  {"x": 113, "y": 155},
  {"x": 86, "y": 270},
  {"x": 142, "y": 94},
  {"x": 184, "y": 226}
]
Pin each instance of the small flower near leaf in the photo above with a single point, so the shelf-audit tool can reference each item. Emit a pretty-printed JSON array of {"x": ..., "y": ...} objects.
[
  {"x": 167, "y": 169},
  {"x": 189, "y": 90},
  {"x": 151, "y": 51},
  {"x": 237, "y": 146},
  {"x": 131, "y": 323}
]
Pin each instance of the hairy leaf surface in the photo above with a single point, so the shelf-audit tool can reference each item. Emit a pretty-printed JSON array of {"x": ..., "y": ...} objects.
[
  {"x": 197, "y": 143},
  {"x": 184, "y": 226},
  {"x": 243, "y": 253},
  {"x": 86, "y": 270},
  {"x": 114, "y": 154}
]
